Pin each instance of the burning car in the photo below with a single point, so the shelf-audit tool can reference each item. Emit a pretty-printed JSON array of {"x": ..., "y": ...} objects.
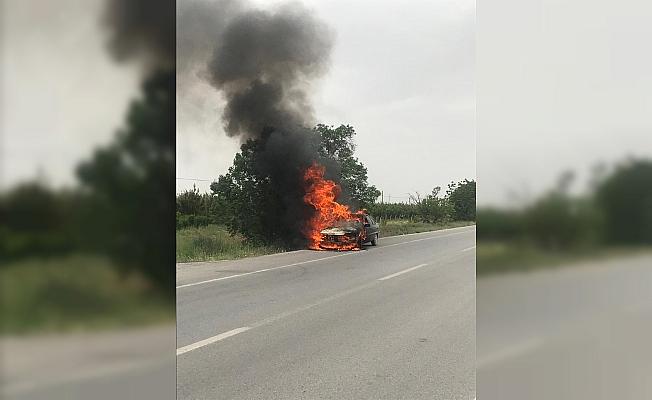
[
  {"x": 333, "y": 226},
  {"x": 350, "y": 234}
]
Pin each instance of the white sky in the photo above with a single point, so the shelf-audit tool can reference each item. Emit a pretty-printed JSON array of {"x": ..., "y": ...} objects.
[
  {"x": 402, "y": 76},
  {"x": 61, "y": 94},
  {"x": 560, "y": 85}
]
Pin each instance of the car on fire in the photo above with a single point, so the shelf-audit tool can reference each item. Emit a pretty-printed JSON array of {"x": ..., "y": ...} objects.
[{"x": 351, "y": 234}]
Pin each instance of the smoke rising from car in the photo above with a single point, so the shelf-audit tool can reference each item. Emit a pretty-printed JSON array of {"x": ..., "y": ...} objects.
[{"x": 264, "y": 62}]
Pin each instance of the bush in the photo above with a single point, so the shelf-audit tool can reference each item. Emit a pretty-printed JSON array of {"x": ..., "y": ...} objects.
[
  {"x": 497, "y": 224},
  {"x": 213, "y": 242},
  {"x": 461, "y": 197},
  {"x": 558, "y": 221},
  {"x": 626, "y": 200},
  {"x": 186, "y": 221}
]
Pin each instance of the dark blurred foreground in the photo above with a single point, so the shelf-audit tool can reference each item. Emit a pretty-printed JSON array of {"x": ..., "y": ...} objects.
[{"x": 87, "y": 270}]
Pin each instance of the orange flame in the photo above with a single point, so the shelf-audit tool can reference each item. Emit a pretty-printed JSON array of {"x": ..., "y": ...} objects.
[{"x": 321, "y": 194}]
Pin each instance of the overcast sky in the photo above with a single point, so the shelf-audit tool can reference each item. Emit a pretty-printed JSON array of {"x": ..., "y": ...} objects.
[
  {"x": 560, "y": 85},
  {"x": 61, "y": 93},
  {"x": 401, "y": 75}
]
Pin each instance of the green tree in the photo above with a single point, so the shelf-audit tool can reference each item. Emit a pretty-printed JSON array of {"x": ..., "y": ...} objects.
[
  {"x": 338, "y": 145},
  {"x": 435, "y": 209},
  {"x": 128, "y": 215},
  {"x": 560, "y": 221},
  {"x": 461, "y": 196},
  {"x": 190, "y": 202},
  {"x": 625, "y": 198},
  {"x": 37, "y": 220},
  {"x": 251, "y": 205}
]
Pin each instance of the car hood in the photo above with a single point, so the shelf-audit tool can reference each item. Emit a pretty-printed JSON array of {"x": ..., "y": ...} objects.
[{"x": 338, "y": 231}]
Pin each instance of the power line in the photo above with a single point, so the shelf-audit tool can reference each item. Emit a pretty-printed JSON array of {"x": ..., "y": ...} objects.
[{"x": 196, "y": 179}]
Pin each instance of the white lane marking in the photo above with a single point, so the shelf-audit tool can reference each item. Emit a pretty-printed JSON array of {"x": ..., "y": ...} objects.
[
  {"x": 272, "y": 319},
  {"x": 316, "y": 260},
  {"x": 470, "y": 248},
  {"x": 211, "y": 340},
  {"x": 512, "y": 351},
  {"x": 286, "y": 314},
  {"x": 384, "y": 278},
  {"x": 262, "y": 270}
]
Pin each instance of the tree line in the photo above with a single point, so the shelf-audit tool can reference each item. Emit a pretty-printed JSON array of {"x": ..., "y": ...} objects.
[
  {"x": 616, "y": 210},
  {"x": 458, "y": 204},
  {"x": 195, "y": 209},
  {"x": 245, "y": 201}
]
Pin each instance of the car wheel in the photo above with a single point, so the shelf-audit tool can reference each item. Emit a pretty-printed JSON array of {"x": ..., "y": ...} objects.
[{"x": 374, "y": 241}]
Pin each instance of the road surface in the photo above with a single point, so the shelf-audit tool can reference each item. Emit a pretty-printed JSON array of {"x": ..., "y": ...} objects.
[
  {"x": 573, "y": 332},
  {"x": 396, "y": 321},
  {"x": 127, "y": 363}
]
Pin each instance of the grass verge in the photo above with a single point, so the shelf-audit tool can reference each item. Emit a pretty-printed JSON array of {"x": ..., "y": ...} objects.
[
  {"x": 75, "y": 293},
  {"x": 213, "y": 243},
  {"x": 404, "y": 227}
]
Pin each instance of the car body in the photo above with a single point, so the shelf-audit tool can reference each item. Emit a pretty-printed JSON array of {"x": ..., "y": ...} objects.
[{"x": 351, "y": 234}]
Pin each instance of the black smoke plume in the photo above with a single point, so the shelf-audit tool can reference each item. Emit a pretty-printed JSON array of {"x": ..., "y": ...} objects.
[
  {"x": 264, "y": 63},
  {"x": 142, "y": 29}
]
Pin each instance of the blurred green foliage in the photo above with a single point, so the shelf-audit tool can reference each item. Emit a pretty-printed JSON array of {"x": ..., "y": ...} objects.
[
  {"x": 617, "y": 210},
  {"x": 625, "y": 200},
  {"x": 36, "y": 221},
  {"x": 128, "y": 187},
  {"x": 122, "y": 209},
  {"x": 75, "y": 292}
]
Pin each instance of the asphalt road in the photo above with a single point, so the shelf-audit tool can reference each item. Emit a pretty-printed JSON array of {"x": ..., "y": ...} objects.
[
  {"x": 128, "y": 363},
  {"x": 573, "y": 332},
  {"x": 396, "y": 321}
]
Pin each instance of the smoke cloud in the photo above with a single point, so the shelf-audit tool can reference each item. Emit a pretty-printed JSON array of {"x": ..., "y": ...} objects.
[
  {"x": 142, "y": 29},
  {"x": 263, "y": 63},
  {"x": 264, "y": 66}
]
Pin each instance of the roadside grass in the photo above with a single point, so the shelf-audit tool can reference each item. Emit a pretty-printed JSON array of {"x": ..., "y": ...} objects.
[
  {"x": 402, "y": 227},
  {"x": 75, "y": 293},
  {"x": 499, "y": 257},
  {"x": 213, "y": 243}
]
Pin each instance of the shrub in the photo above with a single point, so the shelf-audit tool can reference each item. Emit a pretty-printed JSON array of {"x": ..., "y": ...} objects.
[{"x": 186, "y": 221}]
